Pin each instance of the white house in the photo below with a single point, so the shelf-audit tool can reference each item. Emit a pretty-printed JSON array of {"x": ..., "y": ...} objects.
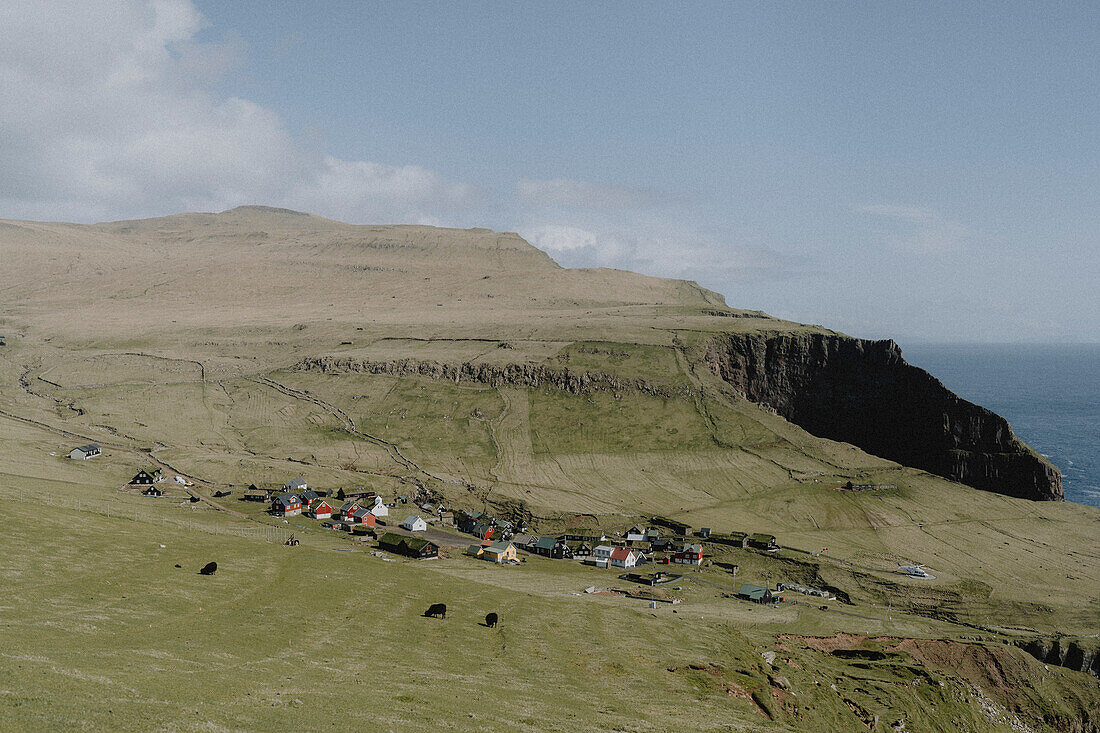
[
  {"x": 414, "y": 523},
  {"x": 601, "y": 555},
  {"x": 379, "y": 509},
  {"x": 85, "y": 452},
  {"x": 623, "y": 558},
  {"x": 296, "y": 484}
]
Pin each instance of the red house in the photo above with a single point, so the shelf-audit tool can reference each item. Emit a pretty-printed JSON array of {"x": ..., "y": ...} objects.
[
  {"x": 360, "y": 516},
  {"x": 321, "y": 510},
  {"x": 689, "y": 555}
]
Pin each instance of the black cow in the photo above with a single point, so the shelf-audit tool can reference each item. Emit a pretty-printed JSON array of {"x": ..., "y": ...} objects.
[
  {"x": 209, "y": 568},
  {"x": 436, "y": 609},
  {"x": 491, "y": 620}
]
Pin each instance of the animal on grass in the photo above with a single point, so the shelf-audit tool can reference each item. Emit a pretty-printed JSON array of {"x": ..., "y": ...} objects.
[
  {"x": 436, "y": 609},
  {"x": 209, "y": 568},
  {"x": 491, "y": 620}
]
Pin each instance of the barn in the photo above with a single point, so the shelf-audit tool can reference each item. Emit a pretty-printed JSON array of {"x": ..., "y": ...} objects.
[
  {"x": 85, "y": 452},
  {"x": 414, "y": 547}
]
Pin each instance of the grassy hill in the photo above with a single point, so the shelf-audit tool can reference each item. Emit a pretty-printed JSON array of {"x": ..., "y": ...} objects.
[{"x": 467, "y": 367}]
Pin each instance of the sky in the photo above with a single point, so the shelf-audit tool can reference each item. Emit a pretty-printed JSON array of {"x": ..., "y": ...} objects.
[{"x": 928, "y": 172}]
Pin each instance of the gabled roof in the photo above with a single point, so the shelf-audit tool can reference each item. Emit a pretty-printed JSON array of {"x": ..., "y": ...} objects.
[
  {"x": 499, "y": 547},
  {"x": 607, "y": 548},
  {"x": 295, "y": 483},
  {"x": 621, "y": 553},
  {"x": 546, "y": 543},
  {"x": 413, "y": 518},
  {"x": 416, "y": 544},
  {"x": 348, "y": 505},
  {"x": 762, "y": 537},
  {"x": 91, "y": 447},
  {"x": 474, "y": 550},
  {"x": 288, "y": 499},
  {"x": 692, "y": 548}
]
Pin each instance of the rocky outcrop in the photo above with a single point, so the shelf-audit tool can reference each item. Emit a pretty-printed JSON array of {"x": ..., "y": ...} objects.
[
  {"x": 864, "y": 393},
  {"x": 494, "y": 375},
  {"x": 1064, "y": 653}
]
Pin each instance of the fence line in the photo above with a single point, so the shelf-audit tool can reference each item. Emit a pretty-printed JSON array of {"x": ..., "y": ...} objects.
[{"x": 257, "y": 531}]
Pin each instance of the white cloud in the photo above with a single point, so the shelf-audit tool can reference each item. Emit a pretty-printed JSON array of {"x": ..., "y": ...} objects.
[
  {"x": 570, "y": 193},
  {"x": 109, "y": 112},
  {"x": 918, "y": 230},
  {"x": 663, "y": 249}
]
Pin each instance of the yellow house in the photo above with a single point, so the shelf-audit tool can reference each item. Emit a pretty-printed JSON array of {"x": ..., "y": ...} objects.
[{"x": 500, "y": 552}]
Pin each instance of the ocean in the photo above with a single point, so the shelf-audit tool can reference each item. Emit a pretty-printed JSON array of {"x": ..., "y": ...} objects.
[{"x": 1050, "y": 394}]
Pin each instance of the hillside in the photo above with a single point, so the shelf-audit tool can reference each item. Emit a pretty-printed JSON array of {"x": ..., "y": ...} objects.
[{"x": 468, "y": 368}]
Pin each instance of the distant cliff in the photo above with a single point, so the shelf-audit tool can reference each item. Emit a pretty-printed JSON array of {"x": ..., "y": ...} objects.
[{"x": 865, "y": 393}]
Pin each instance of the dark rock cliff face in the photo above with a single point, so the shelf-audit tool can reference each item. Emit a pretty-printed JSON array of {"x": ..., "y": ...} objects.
[
  {"x": 1063, "y": 653},
  {"x": 864, "y": 393}
]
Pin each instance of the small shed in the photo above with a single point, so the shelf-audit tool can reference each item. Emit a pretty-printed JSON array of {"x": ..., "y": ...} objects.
[{"x": 85, "y": 452}]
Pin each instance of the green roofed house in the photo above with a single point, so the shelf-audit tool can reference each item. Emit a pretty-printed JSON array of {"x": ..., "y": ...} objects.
[
  {"x": 474, "y": 550},
  {"x": 414, "y": 547},
  {"x": 550, "y": 547},
  {"x": 755, "y": 593},
  {"x": 763, "y": 541}
]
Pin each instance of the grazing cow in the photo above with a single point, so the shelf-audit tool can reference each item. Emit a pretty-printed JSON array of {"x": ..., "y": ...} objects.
[
  {"x": 491, "y": 620},
  {"x": 436, "y": 609},
  {"x": 209, "y": 568}
]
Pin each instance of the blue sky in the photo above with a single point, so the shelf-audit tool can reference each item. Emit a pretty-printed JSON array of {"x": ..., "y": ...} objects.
[{"x": 929, "y": 172}]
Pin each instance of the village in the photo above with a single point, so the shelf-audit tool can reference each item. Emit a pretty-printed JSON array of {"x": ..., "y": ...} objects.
[{"x": 434, "y": 531}]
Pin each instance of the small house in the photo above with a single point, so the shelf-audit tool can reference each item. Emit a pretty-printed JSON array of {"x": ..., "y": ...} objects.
[
  {"x": 703, "y": 532},
  {"x": 152, "y": 491},
  {"x": 286, "y": 505},
  {"x": 414, "y": 523},
  {"x": 482, "y": 531},
  {"x": 347, "y": 508},
  {"x": 755, "y": 593},
  {"x": 379, "y": 508},
  {"x": 689, "y": 555},
  {"x": 523, "y": 541},
  {"x": 734, "y": 539},
  {"x": 601, "y": 555},
  {"x": 256, "y": 494},
  {"x": 582, "y": 549},
  {"x": 360, "y": 516},
  {"x": 474, "y": 550},
  {"x": 621, "y": 557},
  {"x": 85, "y": 452},
  {"x": 308, "y": 497},
  {"x": 320, "y": 510},
  {"x": 296, "y": 485},
  {"x": 551, "y": 547},
  {"x": 500, "y": 552},
  {"x": 762, "y": 541},
  {"x": 147, "y": 476}
]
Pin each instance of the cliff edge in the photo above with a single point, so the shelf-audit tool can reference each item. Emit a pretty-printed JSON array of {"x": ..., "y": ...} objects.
[{"x": 864, "y": 393}]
